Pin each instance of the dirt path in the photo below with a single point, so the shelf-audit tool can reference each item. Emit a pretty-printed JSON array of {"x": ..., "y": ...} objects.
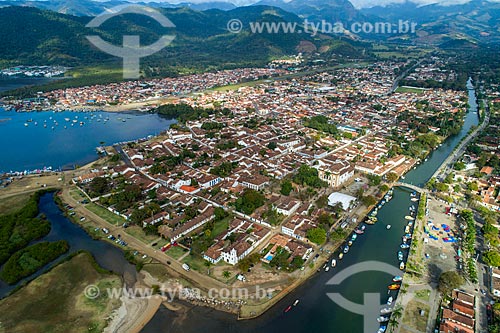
[{"x": 201, "y": 281}]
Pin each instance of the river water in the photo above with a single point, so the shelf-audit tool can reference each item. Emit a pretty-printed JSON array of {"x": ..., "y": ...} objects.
[
  {"x": 107, "y": 255},
  {"x": 316, "y": 312}
]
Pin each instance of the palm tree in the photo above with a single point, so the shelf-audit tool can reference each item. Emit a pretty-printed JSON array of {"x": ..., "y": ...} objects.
[
  {"x": 226, "y": 274},
  {"x": 393, "y": 324},
  {"x": 397, "y": 313}
]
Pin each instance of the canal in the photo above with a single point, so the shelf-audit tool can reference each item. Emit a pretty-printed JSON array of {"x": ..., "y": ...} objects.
[
  {"x": 107, "y": 255},
  {"x": 316, "y": 312}
]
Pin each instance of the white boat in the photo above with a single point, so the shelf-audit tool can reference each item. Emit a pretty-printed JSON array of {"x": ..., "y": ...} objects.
[
  {"x": 397, "y": 278},
  {"x": 382, "y": 319},
  {"x": 327, "y": 268},
  {"x": 296, "y": 302},
  {"x": 409, "y": 217},
  {"x": 334, "y": 262},
  {"x": 389, "y": 301},
  {"x": 414, "y": 199},
  {"x": 341, "y": 255},
  {"x": 386, "y": 310},
  {"x": 402, "y": 265},
  {"x": 388, "y": 227}
]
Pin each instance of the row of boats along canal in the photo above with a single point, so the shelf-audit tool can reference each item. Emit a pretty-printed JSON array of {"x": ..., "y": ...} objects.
[{"x": 395, "y": 284}]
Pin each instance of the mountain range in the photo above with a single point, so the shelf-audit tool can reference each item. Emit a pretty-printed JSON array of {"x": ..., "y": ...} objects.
[
  {"x": 477, "y": 21},
  {"x": 34, "y": 36}
]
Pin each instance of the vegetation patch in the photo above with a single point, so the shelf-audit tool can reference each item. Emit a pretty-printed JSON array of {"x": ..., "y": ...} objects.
[
  {"x": 29, "y": 260},
  {"x": 18, "y": 229},
  {"x": 55, "y": 301}
]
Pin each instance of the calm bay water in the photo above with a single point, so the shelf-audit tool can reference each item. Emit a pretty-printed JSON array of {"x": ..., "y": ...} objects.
[{"x": 35, "y": 146}]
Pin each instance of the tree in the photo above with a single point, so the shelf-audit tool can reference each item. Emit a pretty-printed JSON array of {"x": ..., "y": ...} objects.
[
  {"x": 449, "y": 281},
  {"x": 492, "y": 258},
  {"x": 384, "y": 188},
  {"x": 226, "y": 274},
  {"x": 459, "y": 166},
  {"x": 368, "y": 200},
  {"x": 317, "y": 235},
  {"x": 286, "y": 187},
  {"x": 272, "y": 145},
  {"x": 322, "y": 201},
  {"x": 249, "y": 201}
]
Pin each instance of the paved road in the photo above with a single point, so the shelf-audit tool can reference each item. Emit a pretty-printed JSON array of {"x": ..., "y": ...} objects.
[{"x": 447, "y": 165}]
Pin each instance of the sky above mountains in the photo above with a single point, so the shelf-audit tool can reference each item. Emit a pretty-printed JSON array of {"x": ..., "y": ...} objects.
[{"x": 356, "y": 3}]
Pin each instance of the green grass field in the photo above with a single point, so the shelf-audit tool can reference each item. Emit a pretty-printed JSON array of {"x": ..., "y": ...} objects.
[
  {"x": 137, "y": 232},
  {"x": 14, "y": 203},
  {"x": 175, "y": 252},
  {"x": 55, "y": 301},
  {"x": 409, "y": 90},
  {"x": 105, "y": 214}
]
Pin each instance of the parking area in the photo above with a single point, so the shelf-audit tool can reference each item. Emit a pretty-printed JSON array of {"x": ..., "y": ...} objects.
[{"x": 440, "y": 243}]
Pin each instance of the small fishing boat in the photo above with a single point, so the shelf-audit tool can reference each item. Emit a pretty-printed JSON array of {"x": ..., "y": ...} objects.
[
  {"x": 386, "y": 311},
  {"x": 389, "y": 300},
  {"x": 408, "y": 217},
  {"x": 288, "y": 308},
  {"x": 327, "y": 268},
  {"x": 400, "y": 255},
  {"x": 382, "y": 319},
  {"x": 388, "y": 227},
  {"x": 402, "y": 265},
  {"x": 296, "y": 302},
  {"x": 359, "y": 231},
  {"x": 334, "y": 262},
  {"x": 346, "y": 248},
  {"x": 349, "y": 243},
  {"x": 414, "y": 199},
  {"x": 341, "y": 255},
  {"x": 394, "y": 286},
  {"x": 405, "y": 246},
  {"x": 353, "y": 237},
  {"x": 397, "y": 278},
  {"x": 382, "y": 329}
]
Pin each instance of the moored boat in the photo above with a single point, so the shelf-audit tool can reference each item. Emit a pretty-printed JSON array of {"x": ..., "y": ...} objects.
[
  {"x": 408, "y": 217},
  {"x": 288, "y": 308},
  {"x": 394, "y": 286},
  {"x": 296, "y": 302},
  {"x": 402, "y": 265},
  {"x": 400, "y": 255},
  {"x": 341, "y": 255},
  {"x": 388, "y": 227},
  {"x": 346, "y": 248},
  {"x": 389, "y": 300},
  {"x": 382, "y": 319},
  {"x": 397, "y": 278},
  {"x": 405, "y": 246},
  {"x": 334, "y": 262},
  {"x": 386, "y": 310}
]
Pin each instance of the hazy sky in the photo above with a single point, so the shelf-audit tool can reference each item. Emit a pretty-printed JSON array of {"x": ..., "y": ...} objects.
[{"x": 357, "y": 3}]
